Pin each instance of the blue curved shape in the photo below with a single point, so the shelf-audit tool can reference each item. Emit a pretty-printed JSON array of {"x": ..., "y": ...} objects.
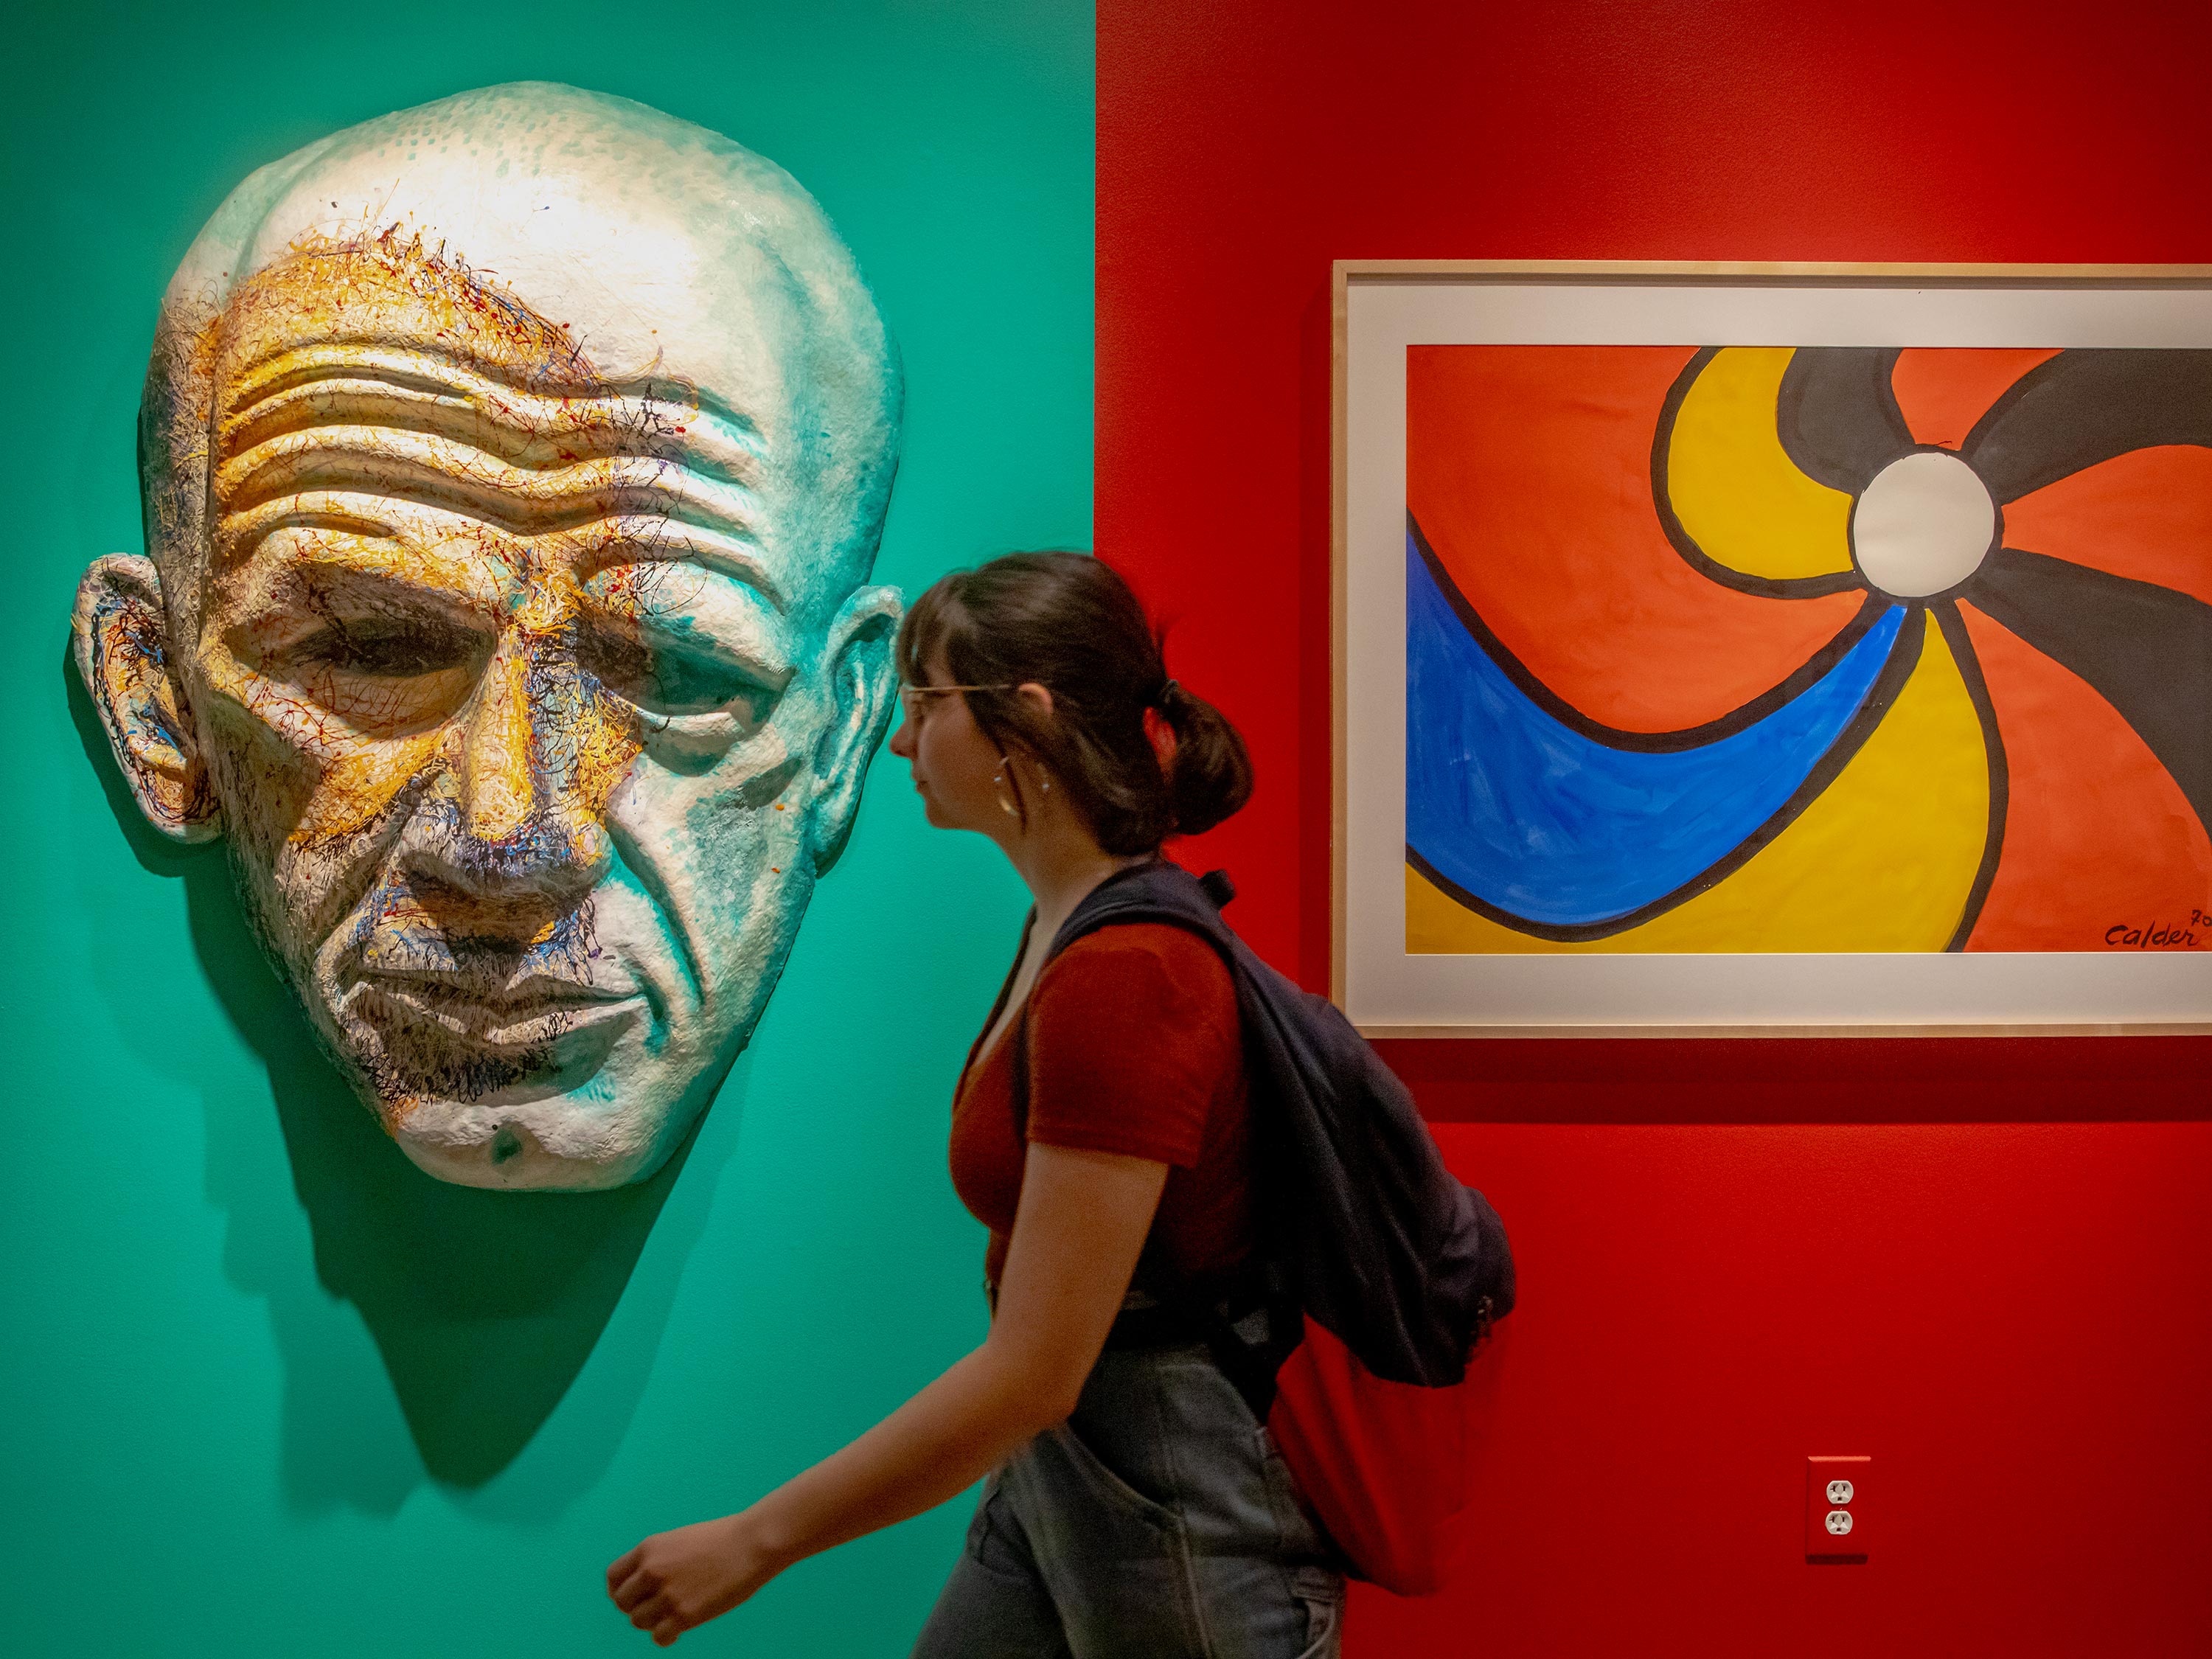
[{"x": 1543, "y": 823}]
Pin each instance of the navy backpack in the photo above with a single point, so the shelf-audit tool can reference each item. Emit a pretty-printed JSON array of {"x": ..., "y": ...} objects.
[{"x": 1379, "y": 1270}]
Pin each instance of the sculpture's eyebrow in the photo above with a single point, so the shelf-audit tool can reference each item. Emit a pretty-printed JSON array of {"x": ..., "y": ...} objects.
[{"x": 392, "y": 422}]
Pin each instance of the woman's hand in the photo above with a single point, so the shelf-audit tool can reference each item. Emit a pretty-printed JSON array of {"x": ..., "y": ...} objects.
[
  {"x": 1078, "y": 1228},
  {"x": 676, "y": 1580}
]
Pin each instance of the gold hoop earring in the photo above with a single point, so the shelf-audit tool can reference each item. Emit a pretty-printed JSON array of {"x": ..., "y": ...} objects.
[{"x": 1010, "y": 800}]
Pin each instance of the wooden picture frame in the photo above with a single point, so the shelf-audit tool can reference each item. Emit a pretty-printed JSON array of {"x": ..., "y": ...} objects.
[{"x": 1549, "y": 988}]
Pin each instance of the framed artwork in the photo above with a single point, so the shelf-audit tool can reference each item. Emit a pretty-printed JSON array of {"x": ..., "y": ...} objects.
[{"x": 1773, "y": 649}]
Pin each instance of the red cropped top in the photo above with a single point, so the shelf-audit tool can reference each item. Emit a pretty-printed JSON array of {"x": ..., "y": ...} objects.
[{"x": 1133, "y": 1046}]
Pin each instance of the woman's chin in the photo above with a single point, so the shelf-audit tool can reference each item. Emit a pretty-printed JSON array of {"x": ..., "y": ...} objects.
[{"x": 942, "y": 816}]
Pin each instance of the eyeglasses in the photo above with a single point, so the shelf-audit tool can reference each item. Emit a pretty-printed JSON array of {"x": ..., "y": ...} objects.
[{"x": 915, "y": 699}]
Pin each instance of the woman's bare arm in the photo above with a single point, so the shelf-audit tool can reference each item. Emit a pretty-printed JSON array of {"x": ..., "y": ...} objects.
[{"x": 1080, "y": 1225}]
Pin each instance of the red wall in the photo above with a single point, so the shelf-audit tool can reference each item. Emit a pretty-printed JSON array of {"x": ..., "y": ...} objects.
[{"x": 1987, "y": 1264}]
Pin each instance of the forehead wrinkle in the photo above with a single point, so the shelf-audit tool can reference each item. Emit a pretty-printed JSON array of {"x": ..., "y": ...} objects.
[
  {"x": 406, "y": 465},
  {"x": 291, "y": 386}
]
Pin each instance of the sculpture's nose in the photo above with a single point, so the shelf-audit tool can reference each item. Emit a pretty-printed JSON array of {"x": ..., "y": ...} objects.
[
  {"x": 539, "y": 753},
  {"x": 499, "y": 785}
]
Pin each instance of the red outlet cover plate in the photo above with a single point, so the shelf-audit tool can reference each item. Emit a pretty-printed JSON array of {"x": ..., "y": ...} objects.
[{"x": 1836, "y": 1486}]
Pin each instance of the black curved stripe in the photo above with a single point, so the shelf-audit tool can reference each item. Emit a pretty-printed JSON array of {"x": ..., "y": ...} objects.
[
  {"x": 1837, "y": 417},
  {"x": 1772, "y": 587},
  {"x": 1904, "y": 658},
  {"x": 2086, "y": 406},
  {"x": 1970, "y": 670},
  {"x": 2146, "y": 650},
  {"x": 1655, "y": 743}
]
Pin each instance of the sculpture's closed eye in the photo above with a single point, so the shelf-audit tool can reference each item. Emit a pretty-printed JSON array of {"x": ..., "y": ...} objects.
[
  {"x": 667, "y": 678},
  {"x": 670, "y": 680},
  {"x": 390, "y": 647}
]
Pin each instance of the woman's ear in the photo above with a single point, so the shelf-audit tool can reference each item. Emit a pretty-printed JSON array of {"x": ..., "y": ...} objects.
[
  {"x": 119, "y": 641},
  {"x": 1038, "y": 696}
]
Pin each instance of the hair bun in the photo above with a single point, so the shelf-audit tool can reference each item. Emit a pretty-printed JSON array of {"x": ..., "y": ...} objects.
[{"x": 1212, "y": 774}]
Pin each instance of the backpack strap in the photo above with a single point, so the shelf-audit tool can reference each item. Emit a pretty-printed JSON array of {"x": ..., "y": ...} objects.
[
  {"x": 1251, "y": 1331},
  {"x": 1102, "y": 907}
]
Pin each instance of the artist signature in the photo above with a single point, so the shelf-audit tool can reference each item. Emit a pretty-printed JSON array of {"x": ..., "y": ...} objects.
[{"x": 2157, "y": 936}]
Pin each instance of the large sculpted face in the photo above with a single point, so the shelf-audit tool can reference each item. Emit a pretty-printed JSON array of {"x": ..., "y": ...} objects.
[{"x": 513, "y": 468}]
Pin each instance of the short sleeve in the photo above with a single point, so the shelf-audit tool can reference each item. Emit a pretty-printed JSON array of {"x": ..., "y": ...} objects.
[{"x": 1133, "y": 1032}]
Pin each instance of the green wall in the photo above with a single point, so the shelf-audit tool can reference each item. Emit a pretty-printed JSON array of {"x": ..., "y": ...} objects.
[{"x": 266, "y": 1388}]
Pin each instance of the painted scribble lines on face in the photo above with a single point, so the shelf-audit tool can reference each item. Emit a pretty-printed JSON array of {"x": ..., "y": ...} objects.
[
  {"x": 526, "y": 479},
  {"x": 513, "y": 468},
  {"x": 594, "y": 479},
  {"x": 475, "y": 965},
  {"x": 325, "y": 382},
  {"x": 400, "y": 531},
  {"x": 460, "y": 585}
]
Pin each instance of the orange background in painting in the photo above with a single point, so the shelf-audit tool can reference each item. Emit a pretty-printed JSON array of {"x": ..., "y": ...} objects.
[
  {"x": 1528, "y": 469},
  {"x": 1941, "y": 391},
  {"x": 2096, "y": 831},
  {"x": 2145, "y": 515}
]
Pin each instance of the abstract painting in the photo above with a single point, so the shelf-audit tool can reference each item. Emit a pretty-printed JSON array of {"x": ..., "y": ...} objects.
[{"x": 1764, "y": 649}]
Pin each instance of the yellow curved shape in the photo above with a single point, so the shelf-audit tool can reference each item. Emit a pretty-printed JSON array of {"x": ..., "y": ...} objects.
[
  {"x": 1883, "y": 860},
  {"x": 1733, "y": 485}
]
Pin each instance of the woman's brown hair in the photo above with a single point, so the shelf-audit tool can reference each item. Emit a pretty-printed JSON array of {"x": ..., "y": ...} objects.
[{"x": 1069, "y": 623}]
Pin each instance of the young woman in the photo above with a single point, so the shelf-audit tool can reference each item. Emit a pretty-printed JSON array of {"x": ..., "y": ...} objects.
[{"x": 1133, "y": 1506}]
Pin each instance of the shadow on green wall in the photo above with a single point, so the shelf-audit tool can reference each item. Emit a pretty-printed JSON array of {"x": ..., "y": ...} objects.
[{"x": 484, "y": 1305}]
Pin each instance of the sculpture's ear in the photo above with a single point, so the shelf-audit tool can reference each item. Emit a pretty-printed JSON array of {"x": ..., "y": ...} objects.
[
  {"x": 863, "y": 686},
  {"x": 120, "y": 637}
]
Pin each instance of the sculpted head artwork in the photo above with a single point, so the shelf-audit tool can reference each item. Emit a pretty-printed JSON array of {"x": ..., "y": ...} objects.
[{"x": 513, "y": 468}]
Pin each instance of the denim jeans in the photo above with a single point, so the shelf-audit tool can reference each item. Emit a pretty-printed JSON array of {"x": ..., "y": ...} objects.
[{"x": 1158, "y": 1523}]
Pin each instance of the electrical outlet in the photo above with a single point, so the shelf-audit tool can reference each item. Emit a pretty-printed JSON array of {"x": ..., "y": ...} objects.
[{"x": 1835, "y": 1508}]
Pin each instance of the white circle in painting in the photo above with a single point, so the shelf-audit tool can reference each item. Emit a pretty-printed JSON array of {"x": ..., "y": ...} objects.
[{"x": 1923, "y": 524}]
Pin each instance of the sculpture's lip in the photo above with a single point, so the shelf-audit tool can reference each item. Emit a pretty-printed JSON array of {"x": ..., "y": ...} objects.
[{"x": 529, "y": 1015}]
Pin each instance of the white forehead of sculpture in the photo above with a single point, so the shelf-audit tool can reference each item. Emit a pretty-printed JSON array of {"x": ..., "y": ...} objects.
[{"x": 651, "y": 239}]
